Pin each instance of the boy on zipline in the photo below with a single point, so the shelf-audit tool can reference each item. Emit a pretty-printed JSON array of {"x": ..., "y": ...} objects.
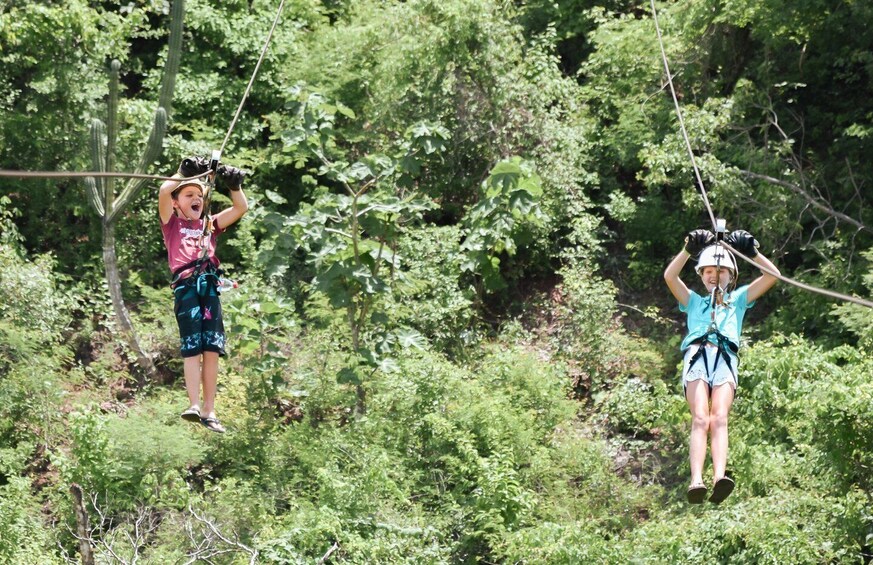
[
  {"x": 715, "y": 320},
  {"x": 190, "y": 236}
]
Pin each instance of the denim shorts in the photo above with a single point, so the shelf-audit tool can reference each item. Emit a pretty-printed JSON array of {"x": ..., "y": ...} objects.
[
  {"x": 709, "y": 367},
  {"x": 201, "y": 326}
]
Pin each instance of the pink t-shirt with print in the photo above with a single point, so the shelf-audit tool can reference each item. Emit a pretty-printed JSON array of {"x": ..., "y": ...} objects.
[{"x": 182, "y": 239}]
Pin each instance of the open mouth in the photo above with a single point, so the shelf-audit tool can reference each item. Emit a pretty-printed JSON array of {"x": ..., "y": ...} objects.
[{"x": 195, "y": 208}]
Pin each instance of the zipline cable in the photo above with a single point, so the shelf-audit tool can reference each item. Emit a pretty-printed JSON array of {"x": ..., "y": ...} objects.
[
  {"x": 783, "y": 278},
  {"x": 85, "y": 174},
  {"x": 252, "y": 79},
  {"x": 798, "y": 284},
  {"x": 681, "y": 119}
]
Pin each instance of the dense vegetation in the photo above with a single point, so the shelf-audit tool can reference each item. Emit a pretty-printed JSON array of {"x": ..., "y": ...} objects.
[{"x": 452, "y": 341}]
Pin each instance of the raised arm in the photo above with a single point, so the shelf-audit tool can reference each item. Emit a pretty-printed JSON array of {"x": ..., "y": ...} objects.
[
  {"x": 671, "y": 276},
  {"x": 231, "y": 178},
  {"x": 763, "y": 283},
  {"x": 746, "y": 244},
  {"x": 695, "y": 242},
  {"x": 165, "y": 199}
]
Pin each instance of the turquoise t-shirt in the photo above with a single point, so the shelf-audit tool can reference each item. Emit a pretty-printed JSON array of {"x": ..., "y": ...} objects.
[{"x": 728, "y": 316}]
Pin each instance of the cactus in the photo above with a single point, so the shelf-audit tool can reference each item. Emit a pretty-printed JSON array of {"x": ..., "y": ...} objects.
[{"x": 101, "y": 190}]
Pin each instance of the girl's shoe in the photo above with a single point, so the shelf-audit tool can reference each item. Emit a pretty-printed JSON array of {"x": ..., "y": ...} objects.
[
  {"x": 191, "y": 414},
  {"x": 213, "y": 424},
  {"x": 696, "y": 493},
  {"x": 721, "y": 490}
]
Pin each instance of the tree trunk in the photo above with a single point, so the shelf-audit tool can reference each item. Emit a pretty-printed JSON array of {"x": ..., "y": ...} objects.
[
  {"x": 110, "y": 261},
  {"x": 360, "y": 400},
  {"x": 83, "y": 529}
]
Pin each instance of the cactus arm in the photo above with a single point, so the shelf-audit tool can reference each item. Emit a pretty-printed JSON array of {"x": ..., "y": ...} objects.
[
  {"x": 94, "y": 195},
  {"x": 174, "y": 55},
  {"x": 96, "y": 187},
  {"x": 112, "y": 119},
  {"x": 154, "y": 147}
]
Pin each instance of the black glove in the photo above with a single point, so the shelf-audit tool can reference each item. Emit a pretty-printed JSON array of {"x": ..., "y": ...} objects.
[
  {"x": 229, "y": 177},
  {"x": 744, "y": 242},
  {"x": 193, "y": 166},
  {"x": 697, "y": 240}
]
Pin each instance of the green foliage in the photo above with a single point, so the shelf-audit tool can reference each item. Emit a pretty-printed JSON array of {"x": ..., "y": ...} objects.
[
  {"x": 351, "y": 238},
  {"x": 135, "y": 459},
  {"x": 24, "y": 537},
  {"x": 633, "y": 406},
  {"x": 855, "y": 318},
  {"x": 803, "y": 527},
  {"x": 31, "y": 297},
  {"x": 429, "y": 297},
  {"x": 500, "y": 222},
  {"x": 585, "y": 332},
  {"x": 35, "y": 311}
]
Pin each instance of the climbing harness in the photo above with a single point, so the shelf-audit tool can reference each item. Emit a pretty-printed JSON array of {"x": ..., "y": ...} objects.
[
  {"x": 725, "y": 349},
  {"x": 205, "y": 273}
]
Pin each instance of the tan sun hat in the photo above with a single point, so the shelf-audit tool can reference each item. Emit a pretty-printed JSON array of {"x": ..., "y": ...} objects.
[{"x": 204, "y": 188}]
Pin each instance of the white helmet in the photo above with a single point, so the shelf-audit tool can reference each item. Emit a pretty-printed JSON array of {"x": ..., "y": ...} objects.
[{"x": 716, "y": 256}]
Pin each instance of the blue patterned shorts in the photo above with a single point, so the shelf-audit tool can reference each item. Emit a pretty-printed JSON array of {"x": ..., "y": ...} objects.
[{"x": 201, "y": 327}]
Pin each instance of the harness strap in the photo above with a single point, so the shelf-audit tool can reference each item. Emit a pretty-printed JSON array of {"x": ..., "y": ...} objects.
[
  {"x": 725, "y": 347},
  {"x": 202, "y": 266}
]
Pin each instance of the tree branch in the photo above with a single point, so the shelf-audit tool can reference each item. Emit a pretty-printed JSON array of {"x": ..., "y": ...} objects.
[{"x": 809, "y": 199}]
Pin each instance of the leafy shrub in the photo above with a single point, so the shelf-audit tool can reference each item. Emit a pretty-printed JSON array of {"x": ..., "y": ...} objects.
[
  {"x": 857, "y": 318},
  {"x": 133, "y": 459},
  {"x": 430, "y": 298},
  {"x": 31, "y": 395},
  {"x": 31, "y": 298},
  {"x": 633, "y": 406},
  {"x": 563, "y": 543},
  {"x": 24, "y": 538},
  {"x": 797, "y": 527},
  {"x": 843, "y": 422}
]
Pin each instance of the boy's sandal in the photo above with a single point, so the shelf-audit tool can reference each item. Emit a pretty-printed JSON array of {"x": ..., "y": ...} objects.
[
  {"x": 721, "y": 490},
  {"x": 696, "y": 493},
  {"x": 192, "y": 414},
  {"x": 212, "y": 424}
]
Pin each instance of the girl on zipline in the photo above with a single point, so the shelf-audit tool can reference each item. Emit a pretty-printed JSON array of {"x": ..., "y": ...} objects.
[
  {"x": 190, "y": 236},
  {"x": 715, "y": 320}
]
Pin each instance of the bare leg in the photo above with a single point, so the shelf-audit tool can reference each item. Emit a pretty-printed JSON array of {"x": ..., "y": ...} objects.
[
  {"x": 192, "y": 379},
  {"x": 722, "y": 399},
  {"x": 697, "y": 395},
  {"x": 210, "y": 382}
]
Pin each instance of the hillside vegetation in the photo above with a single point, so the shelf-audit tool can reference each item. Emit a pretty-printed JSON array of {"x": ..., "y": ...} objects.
[{"x": 452, "y": 341}]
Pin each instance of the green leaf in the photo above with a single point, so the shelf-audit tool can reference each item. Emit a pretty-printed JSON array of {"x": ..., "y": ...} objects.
[
  {"x": 408, "y": 337},
  {"x": 388, "y": 365},
  {"x": 345, "y": 110},
  {"x": 275, "y": 197},
  {"x": 348, "y": 376}
]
